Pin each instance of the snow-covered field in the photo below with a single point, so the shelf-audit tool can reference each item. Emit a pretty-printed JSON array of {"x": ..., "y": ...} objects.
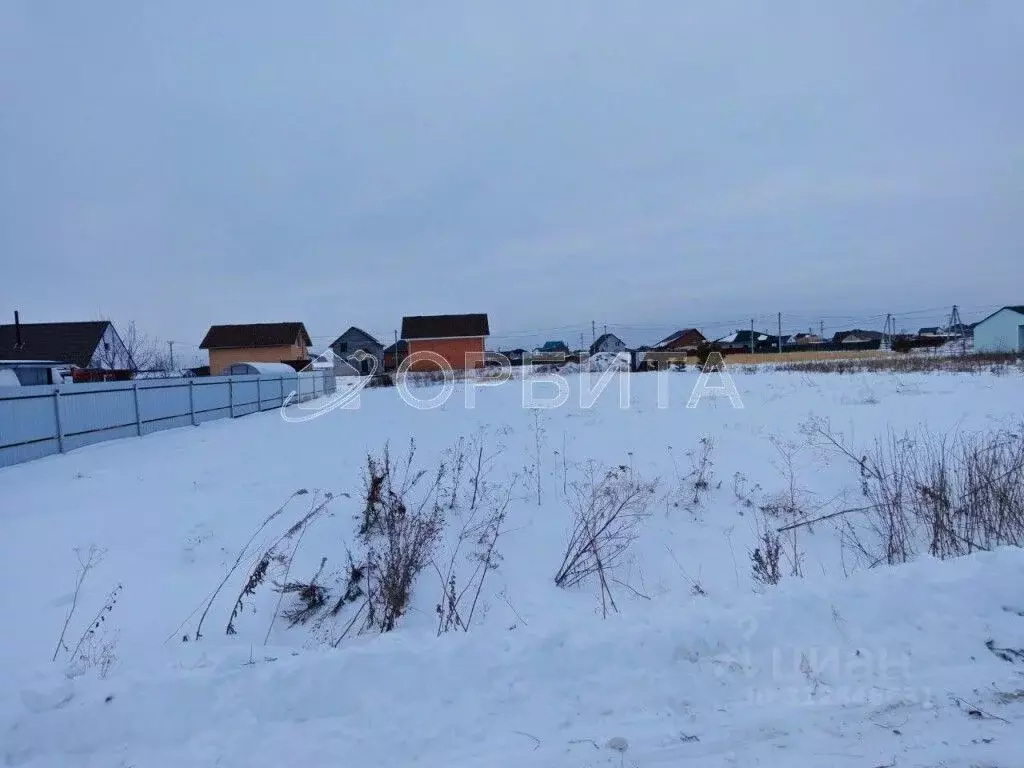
[{"x": 841, "y": 665}]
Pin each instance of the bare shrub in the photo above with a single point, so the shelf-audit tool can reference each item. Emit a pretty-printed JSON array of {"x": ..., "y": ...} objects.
[
  {"x": 742, "y": 492},
  {"x": 793, "y": 502},
  {"x": 311, "y": 596},
  {"x": 99, "y": 652},
  {"x": 402, "y": 523},
  {"x": 766, "y": 557},
  {"x": 483, "y": 526},
  {"x": 693, "y": 486},
  {"x": 949, "y": 495},
  {"x": 539, "y": 434},
  {"x": 696, "y": 586},
  {"x": 702, "y": 468},
  {"x": 96, "y": 646},
  {"x": 234, "y": 566},
  {"x": 404, "y": 512},
  {"x": 347, "y": 584},
  {"x": 86, "y": 562},
  {"x": 481, "y": 506},
  {"x": 608, "y": 506},
  {"x": 279, "y": 554}
]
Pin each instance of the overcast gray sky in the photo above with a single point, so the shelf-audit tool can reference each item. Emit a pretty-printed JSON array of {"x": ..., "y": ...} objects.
[{"x": 642, "y": 164}]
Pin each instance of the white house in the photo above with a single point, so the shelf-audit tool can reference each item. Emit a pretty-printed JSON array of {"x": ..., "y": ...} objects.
[
  {"x": 1002, "y": 331},
  {"x": 607, "y": 342}
]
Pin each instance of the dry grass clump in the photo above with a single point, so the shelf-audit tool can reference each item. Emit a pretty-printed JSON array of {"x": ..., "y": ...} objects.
[{"x": 997, "y": 363}]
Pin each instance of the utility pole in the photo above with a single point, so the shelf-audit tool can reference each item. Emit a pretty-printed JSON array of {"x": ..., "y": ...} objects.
[
  {"x": 751, "y": 335},
  {"x": 170, "y": 348},
  {"x": 890, "y": 329},
  {"x": 593, "y": 331},
  {"x": 955, "y": 322},
  {"x": 821, "y": 329},
  {"x": 780, "y": 333}
]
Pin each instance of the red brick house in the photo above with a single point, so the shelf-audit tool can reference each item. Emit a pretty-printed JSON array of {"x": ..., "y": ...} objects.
[{"x": 458, "y": 339}]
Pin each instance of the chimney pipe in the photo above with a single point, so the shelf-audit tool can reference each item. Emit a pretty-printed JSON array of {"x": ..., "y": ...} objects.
[{"x": 17, "y": 330}]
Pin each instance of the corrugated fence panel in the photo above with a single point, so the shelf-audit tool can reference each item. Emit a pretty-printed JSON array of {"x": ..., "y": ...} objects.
[
  {"x": 96, "y": 407},
  {"x": 304, "y": 386},
  {"x": 158, "y": 402},
  {"x": 245, "y": 395},
  {"x": 164, "y": 404},
  {"x": 28, "y": 424},
  {"x": 271, "y": 393},
  {"x": 98, "y": 436},
  {"x": 30, "y": 417},
  {"x": 42, "y": 420},
  {"x": 289, "y": 385},
  {"x": 212, "y": 398},
  {"x": 16, "y": 454}
]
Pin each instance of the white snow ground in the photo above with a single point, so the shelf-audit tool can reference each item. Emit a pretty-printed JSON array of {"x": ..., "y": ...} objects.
[{"x": 842, "y": 667}]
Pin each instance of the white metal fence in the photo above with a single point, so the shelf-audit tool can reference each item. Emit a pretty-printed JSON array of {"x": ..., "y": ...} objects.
[{"x": 42, "y": 420}]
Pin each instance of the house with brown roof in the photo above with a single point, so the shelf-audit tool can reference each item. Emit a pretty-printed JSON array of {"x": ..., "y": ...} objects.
[
  {"x": 458, "y": 339},
  {"x": 90, "y": 344},
  {"x": 685, "y": 340},
  {"x": 255, "y": 343}
]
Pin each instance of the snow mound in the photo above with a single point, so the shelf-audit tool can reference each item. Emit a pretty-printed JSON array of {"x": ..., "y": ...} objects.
[{"x": 601, "y": 362}]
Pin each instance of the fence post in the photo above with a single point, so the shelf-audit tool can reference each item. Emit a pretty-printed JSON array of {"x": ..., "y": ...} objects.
[
  {"x": 259, "y": 395},
  {"x": 231, "y": 396},
  {"x": 138, "y": 413},
  {"x": 192, "y": 401},
  {"x": 56, "y": 412}
]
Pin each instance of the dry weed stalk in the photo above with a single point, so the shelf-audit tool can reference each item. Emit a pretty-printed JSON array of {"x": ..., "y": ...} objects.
[
  {"x": 86, "y": 562},
  {"x": 949, "y": 495},
  {"x": 608, "y": 506}
]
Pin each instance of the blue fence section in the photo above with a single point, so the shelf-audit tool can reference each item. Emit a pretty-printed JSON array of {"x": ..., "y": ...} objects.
[{"x": 42, "y": 420}]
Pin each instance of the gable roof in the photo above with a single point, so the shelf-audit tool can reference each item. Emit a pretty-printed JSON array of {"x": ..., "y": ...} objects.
[
  {"x": 872, "y": 335},
  {"x": 685, "y": 333},
  {"x": 73, "y": 343},
  {"x": 354, "y": 333},
  {"x": 744, "y": 336},
  {"x": 444, "y": 326},
  {"x": 1018, "y": 308},
  {"x": 602, "y": 339},
  {"x": 254, "y": 335}
]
